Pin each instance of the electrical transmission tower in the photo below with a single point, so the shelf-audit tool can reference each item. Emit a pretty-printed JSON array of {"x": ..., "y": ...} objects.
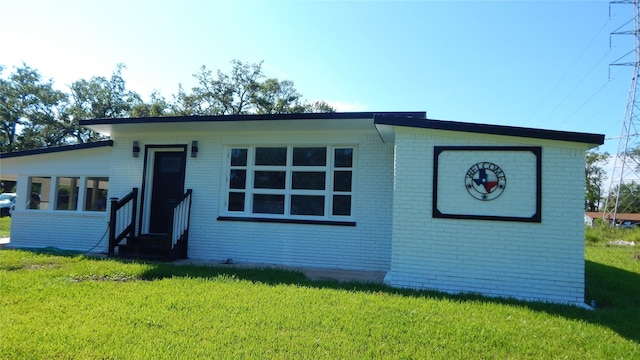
[{"x": 626, "y": 169}]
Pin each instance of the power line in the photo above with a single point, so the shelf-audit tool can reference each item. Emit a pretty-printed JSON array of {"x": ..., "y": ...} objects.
[
  {"x": 576, "y": 86},
  {"x": 584, "y": 50},
  {"x": 583, "y": 104}
]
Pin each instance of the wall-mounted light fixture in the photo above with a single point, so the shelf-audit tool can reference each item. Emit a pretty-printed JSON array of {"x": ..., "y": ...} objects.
[
  {"x": 136, "y": 149},
  {"x": 194, "y": 148}
]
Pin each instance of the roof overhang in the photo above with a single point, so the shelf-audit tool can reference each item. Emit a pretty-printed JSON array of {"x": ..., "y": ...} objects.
[
  {"x": 386, "y": 128},
  {"x": 267, "y": 122},
  {"x": 69, "y": 160},
  {"x": 56, "y": 149}
]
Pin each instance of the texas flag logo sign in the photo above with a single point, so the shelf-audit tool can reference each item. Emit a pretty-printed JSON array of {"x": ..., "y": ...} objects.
[{"x": 485, "y": 181}]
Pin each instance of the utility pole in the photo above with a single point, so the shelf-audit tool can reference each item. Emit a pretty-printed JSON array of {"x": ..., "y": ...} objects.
[{"x": 625, "y": 168}]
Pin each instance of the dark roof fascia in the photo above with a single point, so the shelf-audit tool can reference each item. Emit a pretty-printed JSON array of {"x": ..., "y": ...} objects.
[
  {"x": 587, "y": 138},
  {"x": 55, "y": 149},
  {"x": 251, "y": 117}
]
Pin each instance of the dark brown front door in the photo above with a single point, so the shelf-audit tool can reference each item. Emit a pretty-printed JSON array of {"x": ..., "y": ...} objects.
[{"x": 167, "y": 188}]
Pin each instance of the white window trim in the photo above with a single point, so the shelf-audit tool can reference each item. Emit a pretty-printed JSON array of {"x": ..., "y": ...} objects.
[{"x": 249, "y": 191}]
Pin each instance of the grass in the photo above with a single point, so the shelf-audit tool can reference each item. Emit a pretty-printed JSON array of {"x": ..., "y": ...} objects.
[
  {"x": 65, "y": 305},
  {"x": 602, "y": 234},
  {"x": 5, "y": 226}
]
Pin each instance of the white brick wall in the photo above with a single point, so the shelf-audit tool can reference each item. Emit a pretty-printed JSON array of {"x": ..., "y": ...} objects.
[
  {"x": 535, "y": 261},
  {"x": 65, "y": 230},
  {"x": 77, "y": 230},
  {"x": 395, "y": 229},
  {"x": 367, "y": 246}
]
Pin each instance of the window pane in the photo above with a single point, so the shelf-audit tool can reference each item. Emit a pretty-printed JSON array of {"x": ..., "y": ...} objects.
[
  {"x": 236, "y": 201},
  {"x": 96, "y": 194},
  {"x": 342, "y": 205},
  {"x": 268, "y": 204},
  {"x": 343, "y": 157},
  {"x": 312, "y": 180},
  {"x": 238, "y": 157},
  {"x": 271, "y": 156},
  {"x": 269, "y": 180},
  {"x": 40, "y": 189},
  {"x": 170, "y": 164},
  {"x": 67, "y": 193},
  {"x": 237, "y": 179},
  {"x": 307, "y": 205},
  {"x": 311, "y": 156},
  {"x": 342, "y": 181}
]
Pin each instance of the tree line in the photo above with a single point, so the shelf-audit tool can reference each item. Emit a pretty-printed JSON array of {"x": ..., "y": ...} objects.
[
  {"x": 595, "y": 184},
  {"x": 33, "y": 114}
]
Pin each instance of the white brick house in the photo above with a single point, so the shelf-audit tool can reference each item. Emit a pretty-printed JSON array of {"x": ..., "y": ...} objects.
[{"x": 440, "y": 205}]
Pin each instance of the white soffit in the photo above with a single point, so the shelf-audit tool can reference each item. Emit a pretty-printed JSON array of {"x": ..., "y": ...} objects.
[{"x": 220, "y": 126}]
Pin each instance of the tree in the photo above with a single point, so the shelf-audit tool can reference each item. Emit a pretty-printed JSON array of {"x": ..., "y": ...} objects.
[
  {"x": 33, "y": 114},
  {"x": 633, "y": 155},
  {"x": 318, "y": 106},
  {"x": 625, "y": 197},
  {"x": 628, "y": 198},
  {"x": 185, "y": 104},
  {"x": 29, "y": 107},
  {"x": 158, "y": 106},
  {"x": 98, "y": 98},
  {"x": 275, "y": 97},
  {"x": 246, "y": 90},
  {"x": 595, "y": 175},
  {"x": 223, "y": 94}
]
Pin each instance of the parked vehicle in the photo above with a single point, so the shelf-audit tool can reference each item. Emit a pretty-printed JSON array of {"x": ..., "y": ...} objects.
[
  {"x": 627, "y": 225},
  {"x": 6, "y": 201}
]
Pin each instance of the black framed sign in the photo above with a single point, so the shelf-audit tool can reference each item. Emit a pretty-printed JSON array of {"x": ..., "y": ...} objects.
[{"x": 501, "y": 183}]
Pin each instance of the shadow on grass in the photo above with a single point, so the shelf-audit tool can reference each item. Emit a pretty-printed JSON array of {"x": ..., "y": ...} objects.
[{"x": 615, "y": 291}]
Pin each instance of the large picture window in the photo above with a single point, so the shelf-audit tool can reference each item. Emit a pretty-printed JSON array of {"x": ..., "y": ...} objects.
[{"x": 290, "y": 182}]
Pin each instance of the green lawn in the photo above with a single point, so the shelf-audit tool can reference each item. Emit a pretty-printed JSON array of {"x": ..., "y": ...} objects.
[
  {"x": 600, "y": 235},
  {"x": 5, "y": 226},
  {"x": 69, "y": 306}
]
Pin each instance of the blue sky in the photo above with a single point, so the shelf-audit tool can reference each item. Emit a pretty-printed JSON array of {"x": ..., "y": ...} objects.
[{"x": 535, "y": 64}]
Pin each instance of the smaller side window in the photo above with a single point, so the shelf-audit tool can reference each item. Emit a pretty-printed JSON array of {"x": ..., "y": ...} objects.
[
  {"x": 96, "y": 194},
  {"x": 39, "y": 189},
  {"x": 237, "y": 180},
  {"x": 342, "y": 181},
  {"x": 60, "y": 193},
  {"x": 67, "y": 193}
]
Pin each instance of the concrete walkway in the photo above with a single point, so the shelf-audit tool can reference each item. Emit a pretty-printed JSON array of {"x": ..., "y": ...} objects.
[{"x": 4, "y": 241}]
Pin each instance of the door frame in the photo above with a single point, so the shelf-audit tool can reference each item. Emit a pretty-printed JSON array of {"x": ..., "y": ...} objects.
[{"x": 147, "y": 180}]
